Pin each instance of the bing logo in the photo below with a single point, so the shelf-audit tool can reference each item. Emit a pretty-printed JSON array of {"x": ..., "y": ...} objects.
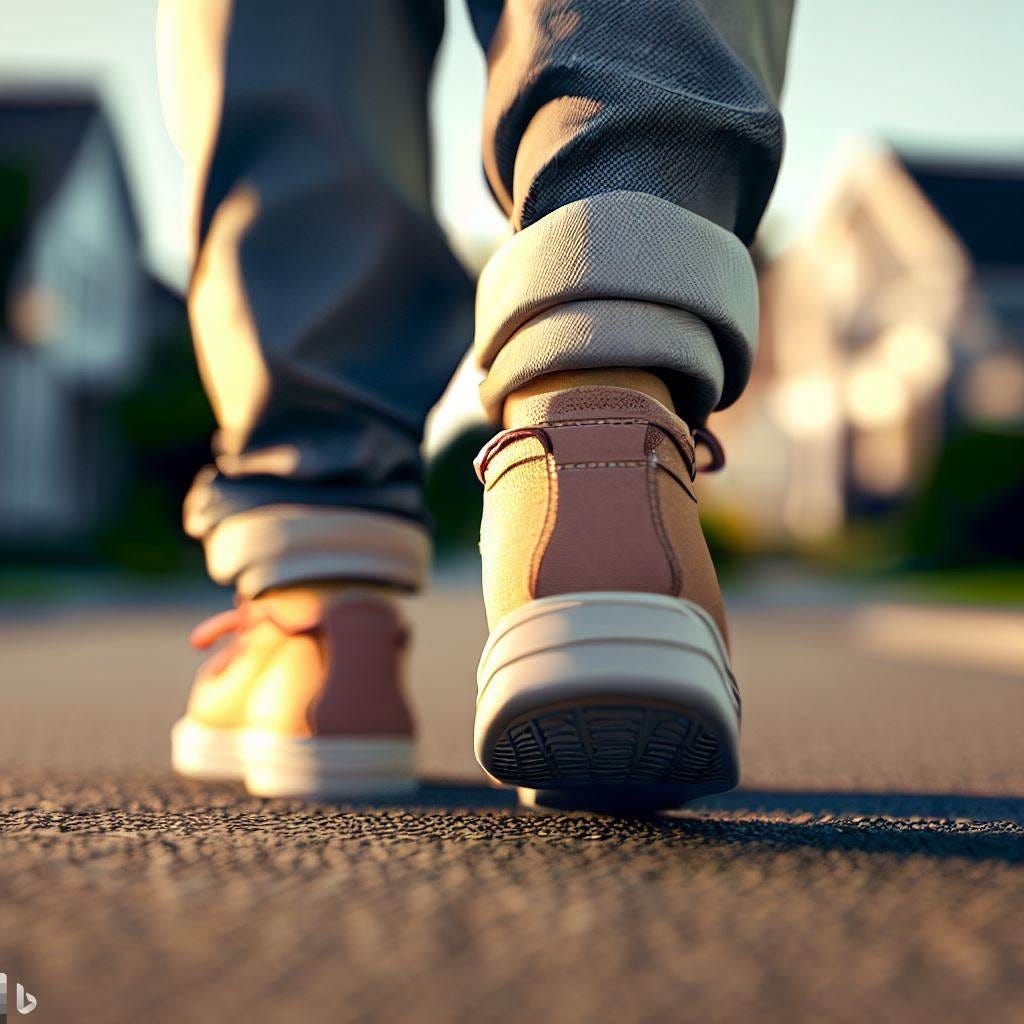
[{"x": 25, "y": 1002}]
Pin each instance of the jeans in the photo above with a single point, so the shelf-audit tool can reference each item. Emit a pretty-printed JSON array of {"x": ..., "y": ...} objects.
[{"x": 633, "y": 145}]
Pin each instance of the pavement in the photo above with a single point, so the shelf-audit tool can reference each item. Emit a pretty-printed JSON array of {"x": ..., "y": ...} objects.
[{"x": 870, "y": 868}]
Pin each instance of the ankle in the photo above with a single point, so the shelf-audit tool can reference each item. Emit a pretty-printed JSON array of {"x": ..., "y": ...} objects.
[
  {"x": 617, "y": 377},
  {"x": 307, "y": 596}
]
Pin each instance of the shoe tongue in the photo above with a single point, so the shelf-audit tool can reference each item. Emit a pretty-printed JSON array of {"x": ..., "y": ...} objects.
[{"x": 594, "y": 403}]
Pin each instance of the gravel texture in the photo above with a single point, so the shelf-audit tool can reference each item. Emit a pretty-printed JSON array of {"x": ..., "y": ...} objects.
[{"x": 870, "y": 870}]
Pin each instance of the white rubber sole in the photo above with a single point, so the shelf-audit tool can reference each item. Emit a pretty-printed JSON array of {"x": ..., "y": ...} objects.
[
  {"x": 320, "y": 768},
  {"x": 608, "y": 700}
]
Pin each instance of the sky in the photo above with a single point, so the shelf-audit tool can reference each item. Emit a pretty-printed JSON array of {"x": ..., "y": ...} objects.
[{"x": 939, "y": 76}]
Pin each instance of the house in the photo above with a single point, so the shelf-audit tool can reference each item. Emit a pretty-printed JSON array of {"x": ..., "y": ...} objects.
[
  {"x": 79, "y": 316},
  {"x": 896, "y": 318}
]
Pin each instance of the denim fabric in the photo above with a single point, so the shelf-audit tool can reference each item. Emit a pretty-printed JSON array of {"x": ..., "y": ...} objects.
[
  {"x": 336, "y": 312},
  {"x": 327, "y": 309},
  {"x": 594, "y": 96}
]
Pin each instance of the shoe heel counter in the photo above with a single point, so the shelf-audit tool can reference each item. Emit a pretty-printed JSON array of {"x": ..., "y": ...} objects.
[
  {"x": 607, "y": 531},
  {"x": 571, "y": 507},
  {"x": 364, "y": 644}
]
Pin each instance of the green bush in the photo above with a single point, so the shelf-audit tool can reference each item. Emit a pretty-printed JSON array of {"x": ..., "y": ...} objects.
[
  {"x": 165, "y": 423},
  {"x": 454, "y": 495},
  {"x": 971, "y": 510}
]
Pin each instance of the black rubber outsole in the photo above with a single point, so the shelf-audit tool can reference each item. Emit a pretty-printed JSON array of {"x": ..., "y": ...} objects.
[{"x": 611, "y": 756}]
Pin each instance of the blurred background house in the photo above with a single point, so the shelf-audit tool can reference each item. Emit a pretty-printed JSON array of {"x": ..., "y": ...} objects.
[
  {"x": 890, "y": 377},
  {"x": 83, "y": 327}
]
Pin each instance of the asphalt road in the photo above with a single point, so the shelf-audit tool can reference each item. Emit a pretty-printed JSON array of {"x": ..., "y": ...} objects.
[{"x": 871, "y": 868}]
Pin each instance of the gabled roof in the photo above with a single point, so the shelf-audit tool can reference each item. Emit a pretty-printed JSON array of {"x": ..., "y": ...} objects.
[
  {"x": 40, "y": 132},
  {"x": 983, "y": 204},
  {"x": 45, "y": 135}
]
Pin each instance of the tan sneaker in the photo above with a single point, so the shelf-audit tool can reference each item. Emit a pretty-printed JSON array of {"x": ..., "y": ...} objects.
[
  {"x": 606, "y": 680},
  {"x": 304, "y": 701}
]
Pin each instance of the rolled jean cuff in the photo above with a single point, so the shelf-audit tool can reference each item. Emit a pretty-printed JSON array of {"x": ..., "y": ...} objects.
[
  {"x": 277, "y": 545},
  {"x": 620, "y": 279}
]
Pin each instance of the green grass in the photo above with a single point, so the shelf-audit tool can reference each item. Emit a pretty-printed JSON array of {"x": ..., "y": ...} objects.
[{"x": 991, "y": 585}]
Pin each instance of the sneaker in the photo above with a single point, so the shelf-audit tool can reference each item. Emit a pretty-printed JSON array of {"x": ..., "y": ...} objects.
[
  {"x": 304, "y": 701},
  {"x": 605, "y": 682}
]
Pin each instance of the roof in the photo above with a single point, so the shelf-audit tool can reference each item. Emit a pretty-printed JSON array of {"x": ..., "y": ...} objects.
[
  {"x": 44, "y": 134},
  {"x": 39, "y": 135},
  {"x": 983, "y": 203}
]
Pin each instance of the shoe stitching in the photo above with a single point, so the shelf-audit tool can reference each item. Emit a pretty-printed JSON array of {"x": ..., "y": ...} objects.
[
  {"x": 601, "y": 465},
  {"x": 669, "y": 551},
  {"x": 548, "y": 529},
  {"x": 685, "y": 443}
]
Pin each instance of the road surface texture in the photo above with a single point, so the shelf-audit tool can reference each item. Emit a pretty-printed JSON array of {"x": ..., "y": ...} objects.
[{"x": 871, "y": 869}]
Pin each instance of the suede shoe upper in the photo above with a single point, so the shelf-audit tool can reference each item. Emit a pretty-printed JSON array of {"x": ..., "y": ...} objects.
[
  {"x": 591, "y": 488},
  {"x": 303, "y": 665}
]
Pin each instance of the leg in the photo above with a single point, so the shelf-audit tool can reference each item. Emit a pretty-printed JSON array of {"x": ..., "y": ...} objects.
[
  {"x": 634, "y": 147},
  {"x": 634, "y": 150},
  {"x": 328, "y": 315},
  {"x": 327, "y": 310}
]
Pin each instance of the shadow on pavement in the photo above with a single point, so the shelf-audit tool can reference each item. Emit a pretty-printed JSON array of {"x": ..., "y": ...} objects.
[
  {"x": 937, "y": 825},
  {"x": 940, "y": 806},
  {"x": 934, "y": 838},
  {"x": 933, "y": 825},
  {"x": 443, "y": 796}
]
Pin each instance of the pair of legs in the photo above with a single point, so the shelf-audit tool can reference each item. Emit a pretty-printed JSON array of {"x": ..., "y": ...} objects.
[{"x": 633, "y": 147}]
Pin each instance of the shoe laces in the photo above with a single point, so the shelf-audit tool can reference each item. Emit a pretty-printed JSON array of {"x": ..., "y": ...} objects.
[{"x": 704, "y": 438}]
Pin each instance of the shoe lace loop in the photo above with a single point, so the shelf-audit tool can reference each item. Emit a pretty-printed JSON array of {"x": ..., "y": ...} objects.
[{"x": 704, "y": 438}]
